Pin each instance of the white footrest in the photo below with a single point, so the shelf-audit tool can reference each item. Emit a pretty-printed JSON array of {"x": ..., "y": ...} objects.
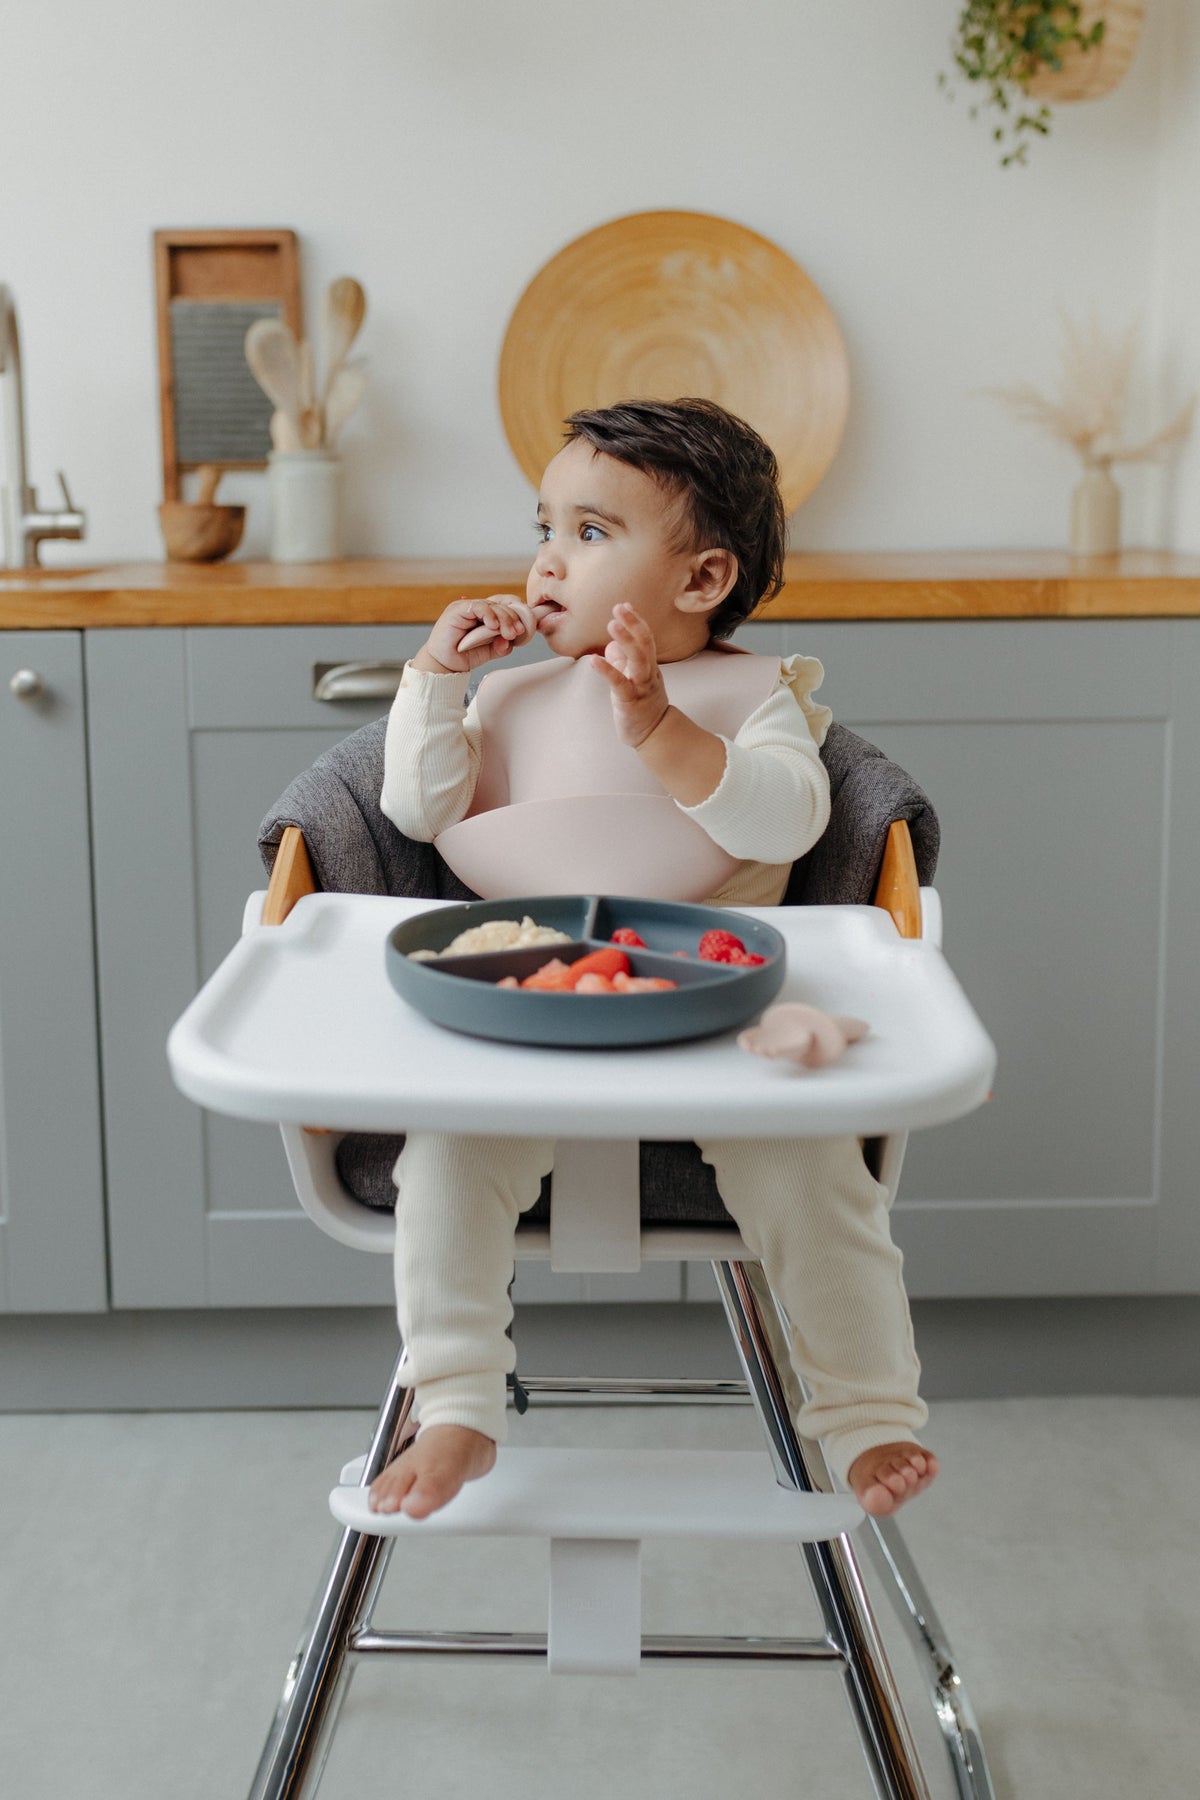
[
  {"x": 629, "y": 1494},
  {"x": 596, "y": 1506}
]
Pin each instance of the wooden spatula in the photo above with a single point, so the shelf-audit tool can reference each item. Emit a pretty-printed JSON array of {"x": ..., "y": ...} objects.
[
  {"x": 342, "y": 396},
  {"x": 274, "y": 359},
  {"x": 344, "y": 310}
]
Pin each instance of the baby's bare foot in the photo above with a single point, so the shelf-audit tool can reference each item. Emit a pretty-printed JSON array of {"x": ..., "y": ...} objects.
[
  {"x": 885, "y": 1477},
  {"x": 431, "y": 1471}
]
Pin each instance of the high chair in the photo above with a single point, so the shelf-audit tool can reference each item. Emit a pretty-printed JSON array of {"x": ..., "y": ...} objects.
[{"x": 327, "y": 833}]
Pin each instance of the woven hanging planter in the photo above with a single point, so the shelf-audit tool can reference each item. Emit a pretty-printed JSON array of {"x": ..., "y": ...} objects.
[{"x": 1090, "y": 74}]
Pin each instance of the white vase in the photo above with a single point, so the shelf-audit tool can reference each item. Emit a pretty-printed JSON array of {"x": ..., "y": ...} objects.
[
  {"x": 1096, "y": 514},
  {"x": 306, "y": 505}
]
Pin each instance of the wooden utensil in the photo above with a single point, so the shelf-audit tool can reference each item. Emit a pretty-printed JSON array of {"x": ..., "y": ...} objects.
[
  {"x": 274, "y": 359},
  {"x": 663, "y": 305},
  {"x": 209, "y": 478},
  {"x": 284, "y": 435},
  {"x": 344, "y": 310},
  {"x": 342, "y": 396},
  {"x": 311, "y": 424}
]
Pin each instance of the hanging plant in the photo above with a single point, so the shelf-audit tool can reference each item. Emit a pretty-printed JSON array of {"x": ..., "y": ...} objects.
[{"x": 1001, "y": 47}]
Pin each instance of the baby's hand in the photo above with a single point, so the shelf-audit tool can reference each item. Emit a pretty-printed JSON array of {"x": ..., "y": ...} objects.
[
  {"x": 630, "y": 666},
  {"x": 471, "y": 632}
]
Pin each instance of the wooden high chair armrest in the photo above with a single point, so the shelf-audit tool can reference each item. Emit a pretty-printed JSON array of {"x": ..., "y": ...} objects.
[
  {"x": 898, "y": 890},
  {"x": 291, "y": 878}
]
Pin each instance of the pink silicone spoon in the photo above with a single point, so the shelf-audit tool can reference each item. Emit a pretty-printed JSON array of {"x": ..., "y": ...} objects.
[
  {"x": 801, "y": 1034},
  {"x": 531, "y": 616}
]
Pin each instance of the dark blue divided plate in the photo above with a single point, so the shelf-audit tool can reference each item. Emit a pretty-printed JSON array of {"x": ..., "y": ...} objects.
[{"x": 461, "y": 991}]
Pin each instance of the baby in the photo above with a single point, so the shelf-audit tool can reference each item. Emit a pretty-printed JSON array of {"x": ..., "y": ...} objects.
[{"x": 660, "y": 529}]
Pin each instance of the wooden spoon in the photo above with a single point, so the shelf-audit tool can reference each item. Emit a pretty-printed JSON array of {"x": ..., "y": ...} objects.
[
  {"x": 274, "y": 360},
  {"x": 344, "y": 310},
  {"x": 342, "y": 396},
  {"x": 306, "y": 363},
  {"x": 312, "y": 425},
  {"x": 284, "y": 435},
  {"x": 208, "y": 477}
]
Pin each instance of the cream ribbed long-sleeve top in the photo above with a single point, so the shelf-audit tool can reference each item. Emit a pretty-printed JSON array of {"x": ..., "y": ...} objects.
[{"x": 770, "y": 805}]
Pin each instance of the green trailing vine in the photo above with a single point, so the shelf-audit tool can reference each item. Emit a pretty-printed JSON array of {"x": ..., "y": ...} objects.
[{"x": 1000, "y": 45}]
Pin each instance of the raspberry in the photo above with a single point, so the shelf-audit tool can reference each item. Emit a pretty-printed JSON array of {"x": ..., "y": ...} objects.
[
  {"x": 745, "y": 959},
  {"x": 625, "y": 934},
  {"x": 720, "y": 946}
]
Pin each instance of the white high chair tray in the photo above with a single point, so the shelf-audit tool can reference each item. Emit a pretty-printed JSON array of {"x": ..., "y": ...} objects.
[{"x": 300, "y": 1025}]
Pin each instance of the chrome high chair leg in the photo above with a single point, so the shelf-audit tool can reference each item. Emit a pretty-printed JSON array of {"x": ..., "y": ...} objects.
[
  {"x": 951, "y": 1702},
  {"x": 316, "y": 1684},
  {"x": 833, "y": 1569}
]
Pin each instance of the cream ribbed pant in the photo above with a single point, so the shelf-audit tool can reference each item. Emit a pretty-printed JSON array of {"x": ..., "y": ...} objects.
[{"x": 808, "y": 1208}]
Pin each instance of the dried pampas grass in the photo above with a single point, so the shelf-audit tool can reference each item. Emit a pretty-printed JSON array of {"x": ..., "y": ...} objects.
[{"x": 1092, "y": 396}]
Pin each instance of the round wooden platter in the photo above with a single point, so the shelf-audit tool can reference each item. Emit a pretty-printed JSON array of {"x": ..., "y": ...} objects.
[{"x": 667, "y": 305}]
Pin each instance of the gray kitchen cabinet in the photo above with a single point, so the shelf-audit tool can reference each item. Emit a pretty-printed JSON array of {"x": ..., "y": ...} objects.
[
  {"x": 1062, "y": 757},
  {"x": 194, "y": 733},
  {"x": 52, "y": 1253},
  {"x": 1064, "y": 761}
]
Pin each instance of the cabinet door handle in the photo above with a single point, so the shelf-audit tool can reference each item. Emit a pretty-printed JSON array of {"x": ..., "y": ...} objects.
[
  {"x": 356, "y": 680},
  {"x": 27, "y": 684}
]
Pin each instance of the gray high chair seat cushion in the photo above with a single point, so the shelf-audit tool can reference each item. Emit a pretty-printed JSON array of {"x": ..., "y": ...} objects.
[{"x": 354, "y": 849}]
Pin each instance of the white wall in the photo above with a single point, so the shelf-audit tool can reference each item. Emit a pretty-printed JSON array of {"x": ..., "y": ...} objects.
[
  {"x": 443, "y": 151},
  {"x": 1176, "y": 520}
]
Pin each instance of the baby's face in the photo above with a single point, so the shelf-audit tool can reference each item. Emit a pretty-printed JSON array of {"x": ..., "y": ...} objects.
[{"x": 608, "y": 533}]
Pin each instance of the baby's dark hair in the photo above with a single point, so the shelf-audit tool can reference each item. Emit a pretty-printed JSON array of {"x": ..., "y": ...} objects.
[{"x": 724, "y": 473}]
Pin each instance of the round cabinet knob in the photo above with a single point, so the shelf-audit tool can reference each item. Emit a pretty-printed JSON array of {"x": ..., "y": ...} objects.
[{"x": 27, "y": 684}]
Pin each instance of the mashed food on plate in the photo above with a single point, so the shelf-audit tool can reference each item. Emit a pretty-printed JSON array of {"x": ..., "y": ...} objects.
[{"x": 496, "y": 934}]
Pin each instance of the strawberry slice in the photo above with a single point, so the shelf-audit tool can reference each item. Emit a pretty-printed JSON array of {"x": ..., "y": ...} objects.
[
  {"x": 625, "y": 934},
  {"x": 554, "y": 977},
  {"x": 606, "y": 962}
]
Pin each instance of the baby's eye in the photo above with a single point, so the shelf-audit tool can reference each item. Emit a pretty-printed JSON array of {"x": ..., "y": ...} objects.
[
  {"x": 592, "y": 534},
  {"x": 544, "y": 532}
]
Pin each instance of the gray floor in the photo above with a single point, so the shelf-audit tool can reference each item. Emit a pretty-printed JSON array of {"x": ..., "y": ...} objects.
[{"x": 157, "y": 1567}]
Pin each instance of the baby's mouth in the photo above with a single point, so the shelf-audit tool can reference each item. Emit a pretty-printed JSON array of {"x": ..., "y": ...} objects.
[{"x": 546, "y": 609}]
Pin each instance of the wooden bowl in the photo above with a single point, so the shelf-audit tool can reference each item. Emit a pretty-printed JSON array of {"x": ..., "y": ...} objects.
[
  {"x": 674, "y": 305},
  {"x": 195, "y": 533}
]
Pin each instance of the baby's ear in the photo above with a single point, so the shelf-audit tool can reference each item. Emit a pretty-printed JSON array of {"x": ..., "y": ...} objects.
[{"x": 712, "y": 575}]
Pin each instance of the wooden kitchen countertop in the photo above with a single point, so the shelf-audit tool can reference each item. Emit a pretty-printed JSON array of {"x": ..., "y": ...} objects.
[{"x": 947, "y": 584}]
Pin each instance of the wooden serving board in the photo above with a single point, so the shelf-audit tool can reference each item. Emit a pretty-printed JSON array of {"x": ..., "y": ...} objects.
[{"x": 663, "y": 305}]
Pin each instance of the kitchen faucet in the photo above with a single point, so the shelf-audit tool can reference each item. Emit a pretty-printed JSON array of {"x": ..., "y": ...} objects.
[{"x": 24, "y": 525}]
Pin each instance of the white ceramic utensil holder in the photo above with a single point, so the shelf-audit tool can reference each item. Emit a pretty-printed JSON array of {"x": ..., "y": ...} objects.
[{"x": 306, "y": 512}]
